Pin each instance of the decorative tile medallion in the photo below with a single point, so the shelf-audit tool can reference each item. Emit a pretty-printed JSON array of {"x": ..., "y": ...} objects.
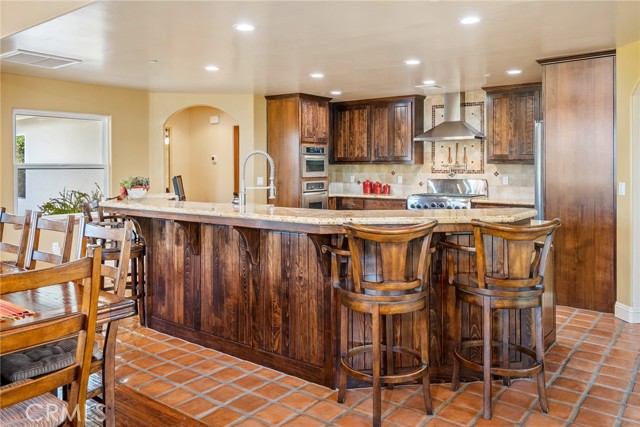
[{"x": 465, "y": 156}]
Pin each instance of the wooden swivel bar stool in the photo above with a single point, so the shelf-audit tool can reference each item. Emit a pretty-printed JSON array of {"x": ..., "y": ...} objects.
[
  {"x": 389, "y": 279},
  {"x": 510, "y": 263},
  {"x": 94, "y": 212}
]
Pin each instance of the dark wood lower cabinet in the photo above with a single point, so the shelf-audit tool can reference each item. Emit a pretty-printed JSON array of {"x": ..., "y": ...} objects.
[{"x": 265, "y": 296}]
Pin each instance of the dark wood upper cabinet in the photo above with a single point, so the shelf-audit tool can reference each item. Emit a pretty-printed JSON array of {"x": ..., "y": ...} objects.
[
  {"x": 378, "y": 130},
  {"x": 315, "y": 120},
  {"x": 511, "y": 115},
  {"x": 350, "y": 133}
]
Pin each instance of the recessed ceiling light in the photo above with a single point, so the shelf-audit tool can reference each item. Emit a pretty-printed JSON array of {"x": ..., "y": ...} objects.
[
  {"x": 514, "y": 72},
  {"x": 468, "y": 20},
  {"x": 246, "y": 27},
  {"x": 316, "y": 75},
  {"x": 212, "y": 68},
  {"x": 429, "y": 82},
  {"x": 153, "y": 61},
  {"x": 335, "y": 92},
  {"x": 412, "y": 61}
]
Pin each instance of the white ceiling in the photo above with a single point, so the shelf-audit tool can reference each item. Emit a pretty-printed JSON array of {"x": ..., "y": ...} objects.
[{"x": 359, "y": 45}]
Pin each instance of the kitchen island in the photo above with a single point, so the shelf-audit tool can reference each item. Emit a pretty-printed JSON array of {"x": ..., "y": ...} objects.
[{"x": 253, "y": 282}]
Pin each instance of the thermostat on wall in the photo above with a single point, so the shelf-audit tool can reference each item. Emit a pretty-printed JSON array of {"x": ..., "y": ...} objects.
[{"x": 214, "y": 120}]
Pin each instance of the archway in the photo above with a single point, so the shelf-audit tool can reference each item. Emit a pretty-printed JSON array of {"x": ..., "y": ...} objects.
[{"x": 201, "y": 145}]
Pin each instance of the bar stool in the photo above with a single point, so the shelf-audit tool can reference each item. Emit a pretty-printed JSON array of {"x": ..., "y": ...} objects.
[
  {"x": 94, "y": 212},
  {"x": 510, "y": 263},
  {"x": 391, "y": 282}
]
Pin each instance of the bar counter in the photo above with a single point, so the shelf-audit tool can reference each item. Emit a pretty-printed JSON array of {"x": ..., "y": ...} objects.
[{"x": 253, "y": 282}]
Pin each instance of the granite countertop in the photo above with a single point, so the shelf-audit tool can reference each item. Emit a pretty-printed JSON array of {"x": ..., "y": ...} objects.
[
  {"x": 259, "y": 212},
  {"x": 503, "y": 201}
]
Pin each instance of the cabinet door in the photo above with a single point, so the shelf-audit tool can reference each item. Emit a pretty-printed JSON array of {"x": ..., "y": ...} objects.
[
  {"x": 401, "y": 137},
  {"x": 526, "y": 110},
  {"x": 500, "y": 127},
  {"x": 380, "y": 132},
  {"x": 511, "y": 115},
  {"x": 351, "y": 138},
  {"x": 315, "y": 120},
  {"x": 392, "y": 131}
]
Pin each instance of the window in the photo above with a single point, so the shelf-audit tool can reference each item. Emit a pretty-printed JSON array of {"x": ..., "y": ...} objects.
[{"x": 54, "y": 151}]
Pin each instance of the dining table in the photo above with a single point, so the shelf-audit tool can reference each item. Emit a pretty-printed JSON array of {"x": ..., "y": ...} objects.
[{"x": 49, "y": 302}]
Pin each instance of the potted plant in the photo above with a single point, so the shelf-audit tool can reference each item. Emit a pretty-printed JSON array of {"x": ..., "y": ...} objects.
[
  {"x": 134, "y": 186},
  {"x": 69, "y": 201}
]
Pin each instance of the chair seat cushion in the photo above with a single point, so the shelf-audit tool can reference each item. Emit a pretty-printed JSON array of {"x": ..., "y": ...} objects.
[
  {"x": 41, "y": 411},
  {"x": 41, "y": 360}
]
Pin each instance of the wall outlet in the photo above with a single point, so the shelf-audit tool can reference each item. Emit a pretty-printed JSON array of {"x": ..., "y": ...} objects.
[
  {"x": 55, "y": 248},
  {"x": 399, "y": 179},
  {"x": 260, "y": 181},
  {"x": 621, "y": 189},
  {"x": 352, "y": 178},
  {"x": 505, "y": 180}
]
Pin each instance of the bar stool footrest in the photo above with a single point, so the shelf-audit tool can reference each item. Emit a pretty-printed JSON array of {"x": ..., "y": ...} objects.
[{"x": 498, "y": 370}]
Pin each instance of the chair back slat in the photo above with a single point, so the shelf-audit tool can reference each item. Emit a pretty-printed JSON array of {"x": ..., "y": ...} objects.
[
  {"x": 19, "y": 249},
  {"x": 81, "y": 323},
  {"x": 395, "y": 268},
  {"x": 64, "y": 230}
]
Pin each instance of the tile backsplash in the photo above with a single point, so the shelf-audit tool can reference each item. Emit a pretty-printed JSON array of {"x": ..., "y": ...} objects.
[{"x": 414, "y": 177}]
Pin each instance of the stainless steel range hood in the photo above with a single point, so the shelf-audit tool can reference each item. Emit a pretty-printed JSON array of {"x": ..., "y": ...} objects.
[{"x": 452, "y": 128}]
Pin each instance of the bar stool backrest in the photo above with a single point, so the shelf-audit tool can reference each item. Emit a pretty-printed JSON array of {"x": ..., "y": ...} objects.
[
  {"x": 519, "y": 254},
  {"x": 109, "y": 236},
  {"x": 397, "y": 269},
  {"x": 18, "y": 249}
]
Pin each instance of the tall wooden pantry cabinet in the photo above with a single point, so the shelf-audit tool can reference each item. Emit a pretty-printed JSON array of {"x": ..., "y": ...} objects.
[{"x": 579, "y": 176}]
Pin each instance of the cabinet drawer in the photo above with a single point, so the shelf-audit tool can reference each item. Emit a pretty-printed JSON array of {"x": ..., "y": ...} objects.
[
  {"x": 349, "y": 203},
  {"x": 385, "y": 204}
]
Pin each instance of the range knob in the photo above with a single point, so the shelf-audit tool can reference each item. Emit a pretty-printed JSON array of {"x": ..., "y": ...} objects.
[
  {"x": 412, "y": 206},
  {"x": 418, "y": 205},
  {"x": 434, "y": 205},
  {"x": 463, "y": 207},
  {"x": 449, "y": 207},
  {"x": 457, "y": 207},
  {"x": 441, "y": 205}
]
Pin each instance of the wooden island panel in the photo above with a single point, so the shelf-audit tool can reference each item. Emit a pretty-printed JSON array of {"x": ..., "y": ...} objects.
[{"x": 256, "y": 294}]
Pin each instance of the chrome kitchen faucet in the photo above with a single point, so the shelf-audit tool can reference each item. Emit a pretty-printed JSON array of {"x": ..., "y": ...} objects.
[{"x": 272, "y": 176}]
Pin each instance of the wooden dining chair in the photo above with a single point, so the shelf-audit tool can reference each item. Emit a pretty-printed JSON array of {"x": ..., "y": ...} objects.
[
  {"x": 19, "y": 248},
  {"x": 24, "y": 402},
  {"x": 110, "y": 236},
  {"x": 63, "y": 228},
  {"x": 136, "y": 272}
]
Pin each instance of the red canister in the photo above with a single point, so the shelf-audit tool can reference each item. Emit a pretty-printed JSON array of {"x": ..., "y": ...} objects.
[
  {"x": 366, "y": 187},
  {"x": 377, "y": 187},
  {"x": 386, "y": 189}
]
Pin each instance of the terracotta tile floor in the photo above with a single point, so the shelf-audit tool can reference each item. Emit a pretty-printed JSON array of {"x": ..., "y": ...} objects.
[{"x": 592, "y": 379}]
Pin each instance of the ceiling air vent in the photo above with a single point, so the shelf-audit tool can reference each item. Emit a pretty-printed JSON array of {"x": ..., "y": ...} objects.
[{"x": 38, "y": 59}]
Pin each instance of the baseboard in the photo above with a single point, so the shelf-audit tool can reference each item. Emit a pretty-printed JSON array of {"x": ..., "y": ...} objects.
[{"x": 626, "y": 313}]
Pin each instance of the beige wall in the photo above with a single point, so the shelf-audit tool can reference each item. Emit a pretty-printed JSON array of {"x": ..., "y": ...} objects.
[
  {"x": 248, "y": 111},
  {"x": 193, "y": 141},
  {"x": 628, "y": 171},
  {"x": 129, "y": 121}
]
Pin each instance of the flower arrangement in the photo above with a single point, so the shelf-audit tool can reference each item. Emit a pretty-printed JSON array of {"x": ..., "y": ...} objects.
[{"x": 134, "y": 182}]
